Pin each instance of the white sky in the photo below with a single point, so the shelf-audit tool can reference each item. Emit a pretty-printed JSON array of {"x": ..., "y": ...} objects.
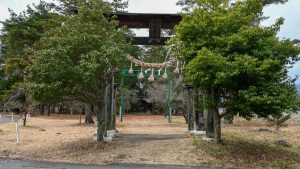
[{"x": 290, "y": 11}]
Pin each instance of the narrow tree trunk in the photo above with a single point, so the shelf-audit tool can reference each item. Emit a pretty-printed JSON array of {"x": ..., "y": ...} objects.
[
  {"x": 217, "y": 125},
  {"x": 190, "y": 110},
  {"x": 88, "y": 114},
  {"x": 48, "y": 109},
  {"x": 199, "y": 110},
  {"x": 114, "y": 118},
  {"x": 105, "y": 109},
  {"x": 216, "y": 116},
  {"x": 59, "y": 108},
  {"x": 52, "y": 108},
  {"x": 110, "y": 104},
  {"x": 209, "y": 124},
  {"x": 100, "y": 124},
  {"x": 42, "y": 109},
  {"x": 25, "y": 118}
]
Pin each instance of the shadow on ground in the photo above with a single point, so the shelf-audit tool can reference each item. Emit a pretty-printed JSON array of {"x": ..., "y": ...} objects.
[{"x": 149, "y": 137}]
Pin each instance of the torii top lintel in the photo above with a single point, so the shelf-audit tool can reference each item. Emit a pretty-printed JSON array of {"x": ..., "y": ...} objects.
[
  {"x": 155, "y": 22},
  {"x": 141, "y": 20}
]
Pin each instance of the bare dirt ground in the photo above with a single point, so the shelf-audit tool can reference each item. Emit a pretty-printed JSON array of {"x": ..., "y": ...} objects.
[
  {"x": 63, "y": 139},
  {"x": 151, "y": 140}
]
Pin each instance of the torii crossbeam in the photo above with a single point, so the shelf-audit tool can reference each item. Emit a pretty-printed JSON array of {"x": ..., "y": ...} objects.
[{"x": 154, "y": 22}]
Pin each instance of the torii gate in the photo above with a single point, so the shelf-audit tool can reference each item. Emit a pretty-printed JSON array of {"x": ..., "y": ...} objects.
[{"x": 154, "y": 22}]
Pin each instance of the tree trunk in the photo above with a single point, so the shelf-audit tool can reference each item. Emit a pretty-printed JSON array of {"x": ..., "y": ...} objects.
[
  {"x": 52, "y": 108},
  {"x": 59, "y": 108},
  {"x": 48, "y": 109},
  {"x": 190, "y": 110},
  {"x": 199, "y": 110},
  {"x": 88, "y": 114},
  {"x": 42, "y": 109},
  {"x": 209, "y": 125},
  {"x": 100, "y": 124},
  {"x": 114, "y": 118},
  {"x": 216, "y": 116},
  {"x": 209, "y": 119},
  {"x": 25, "y": 118},
  {"x": 217, "y": 125},
  {"x": 110, "y": 105},
  {"x": 105, "y": 109}
]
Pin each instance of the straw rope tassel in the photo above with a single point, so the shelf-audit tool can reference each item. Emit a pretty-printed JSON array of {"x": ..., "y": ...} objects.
[
  {"x": 165, "y": 75},
  {"x": 151, "y": 78},
  {"x": 130, "y": 71},
  {"x": 141, "y": 75}
]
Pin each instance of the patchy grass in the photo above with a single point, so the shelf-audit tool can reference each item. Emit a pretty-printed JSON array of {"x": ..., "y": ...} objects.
[
  {"x": 63, "y": 140},
  {"x": 5, "y": 154},
  {"x": 243, "y": 152},
  {"x": 247, "y": 147},
  {"x": 60, "y": 139}
]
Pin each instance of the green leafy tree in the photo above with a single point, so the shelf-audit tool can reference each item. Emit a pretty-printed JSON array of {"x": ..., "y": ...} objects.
[
  {"x": 278, "y": 120},
  {"x": 19, "y": 33},
  {"x": 239, "y": 65},
  {"x": 187, "y": 5},
  {"x": 76, "y": 61}
]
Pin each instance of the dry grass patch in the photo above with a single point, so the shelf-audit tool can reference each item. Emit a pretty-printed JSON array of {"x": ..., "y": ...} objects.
[
  {"x": 247, "y": 147},
  {"x": 243, "y": 152},
  {"x": 62, "y": 139}
]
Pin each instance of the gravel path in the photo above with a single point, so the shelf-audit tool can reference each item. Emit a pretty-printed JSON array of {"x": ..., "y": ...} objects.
[
  {"x": 150, "y": 137},
  {"x": 26, "y": 164}
]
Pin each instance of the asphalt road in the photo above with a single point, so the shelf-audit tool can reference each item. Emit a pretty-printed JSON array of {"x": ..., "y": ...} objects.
[{"x": 27, "y": 164}]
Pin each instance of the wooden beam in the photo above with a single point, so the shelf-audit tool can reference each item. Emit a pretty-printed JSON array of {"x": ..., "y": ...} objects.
[{"x": 141, "y": 20}]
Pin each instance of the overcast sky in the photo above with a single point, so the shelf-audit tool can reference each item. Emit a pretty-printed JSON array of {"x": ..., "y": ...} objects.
[{"x": 290, "y": 11}]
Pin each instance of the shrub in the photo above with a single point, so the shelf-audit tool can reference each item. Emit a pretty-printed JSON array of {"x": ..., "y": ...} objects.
[{"x": 278, "y": 120}]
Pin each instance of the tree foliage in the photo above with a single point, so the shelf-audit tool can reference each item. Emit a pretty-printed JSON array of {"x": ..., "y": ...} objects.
[
  {"x": 75, "y": 61},
  {"x": 188, "y": 5},
  {"x": 240, "y": 65},
  {"x": 23, "y": 30},
  {"x": 19, "y": 33}
]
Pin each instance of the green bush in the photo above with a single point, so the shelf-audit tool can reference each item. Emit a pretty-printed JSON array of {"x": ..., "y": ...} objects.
[{"x": 278, "y": 120}]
